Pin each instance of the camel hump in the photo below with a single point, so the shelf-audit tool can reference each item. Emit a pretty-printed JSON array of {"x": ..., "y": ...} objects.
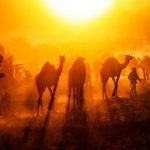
[
  {"x": 110, "y": 62},
  {"x": 77, "y": 73},
  {"x": 47, "y": 68},
  {"x": 46, "y": 72}
]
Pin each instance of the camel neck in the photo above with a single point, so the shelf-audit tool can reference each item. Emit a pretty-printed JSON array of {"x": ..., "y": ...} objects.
[
  {"x": 124, "y": 65},
  {"x": 59, "y": 70}
]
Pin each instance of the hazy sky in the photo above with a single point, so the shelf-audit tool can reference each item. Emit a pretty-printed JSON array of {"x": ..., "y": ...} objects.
[
  {"x": 27, "y": 26},
  {"x": 32, "y": 20}
]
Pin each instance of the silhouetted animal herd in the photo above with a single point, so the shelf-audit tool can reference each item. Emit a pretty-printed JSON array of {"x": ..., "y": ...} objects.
[{"x": 49, "y": 77}]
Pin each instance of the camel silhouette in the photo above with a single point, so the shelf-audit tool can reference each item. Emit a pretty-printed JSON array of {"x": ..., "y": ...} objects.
[
  {"x": 76, "y": 81},
  {"x": 112, "y": 68},
  {"x": 145, "y": 66},
  {"x": 48, "y": 78}
]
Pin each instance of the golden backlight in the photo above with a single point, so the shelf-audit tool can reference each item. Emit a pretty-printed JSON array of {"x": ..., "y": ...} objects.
[{"x": 78, "y": 10}]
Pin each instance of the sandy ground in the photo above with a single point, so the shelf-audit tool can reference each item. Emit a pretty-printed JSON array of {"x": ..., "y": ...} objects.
[{"x": 125, "y": 127}]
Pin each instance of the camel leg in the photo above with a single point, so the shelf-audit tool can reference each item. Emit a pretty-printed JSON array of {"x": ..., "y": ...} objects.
[
  {"x": 51, "y": 94},
  {"x": 104, "y": 93},
  {"x": 40, "y": 103},
  {"x": 50, "y": 90},
  {"x": 77, "y": 95},
  {"x": 116, "y": 87},
  {"x": 74, "y": 95},
  {"x": 114, "y": 91},
  {"x": 42, "y": 107},
  {"x": 69, "y": 95},
  {"x": 52, "y": 97},
  {"x": 144, "y": 74},
  {"x": 147, "y": 75},
  {"x": 54, "y": 91},
  {"x": 82, "y": 95},
  {"x": 104, "y": 80}
]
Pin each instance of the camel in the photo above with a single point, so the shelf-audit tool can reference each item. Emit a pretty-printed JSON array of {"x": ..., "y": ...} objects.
[
  {"x": 112, "y": 68},
  {"x": 48, "y": 78},
  {"x": 76, "y": 81},
  {"x": 145, "y": 66}
]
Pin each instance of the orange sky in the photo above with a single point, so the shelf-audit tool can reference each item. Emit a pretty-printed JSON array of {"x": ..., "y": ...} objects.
[{"x": 31, "y": 32}]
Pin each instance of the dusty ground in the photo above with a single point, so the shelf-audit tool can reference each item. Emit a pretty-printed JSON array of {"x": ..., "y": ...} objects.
[{"x": 125, "y": 127}]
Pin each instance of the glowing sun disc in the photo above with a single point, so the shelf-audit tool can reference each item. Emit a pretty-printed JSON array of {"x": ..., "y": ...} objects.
[{"x": 79, "y": 9}]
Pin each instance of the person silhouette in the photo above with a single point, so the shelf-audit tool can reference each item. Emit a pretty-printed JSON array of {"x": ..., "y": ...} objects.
[{"x": 133, "y": 77}]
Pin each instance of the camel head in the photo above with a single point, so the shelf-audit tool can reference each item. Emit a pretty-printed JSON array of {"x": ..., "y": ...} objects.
[
  {"x": 128, "y": 58},
  {"x": 80, "y": 59},
  {"x": 126, "y": 62},
  {"x": 62, "y": 59},
  {"x": 46, "y": 64}
]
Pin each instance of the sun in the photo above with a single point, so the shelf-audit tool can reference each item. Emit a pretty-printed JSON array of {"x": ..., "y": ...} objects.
[{"x": 78, "y": 9}]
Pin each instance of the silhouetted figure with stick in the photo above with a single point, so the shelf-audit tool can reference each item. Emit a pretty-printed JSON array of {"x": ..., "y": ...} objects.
[
  {"x": 76, "y": 81},
  {"x": 112, "y": 68},
  {"x": 48, "y": 78},
  {"x": 133, "y": 77}
]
